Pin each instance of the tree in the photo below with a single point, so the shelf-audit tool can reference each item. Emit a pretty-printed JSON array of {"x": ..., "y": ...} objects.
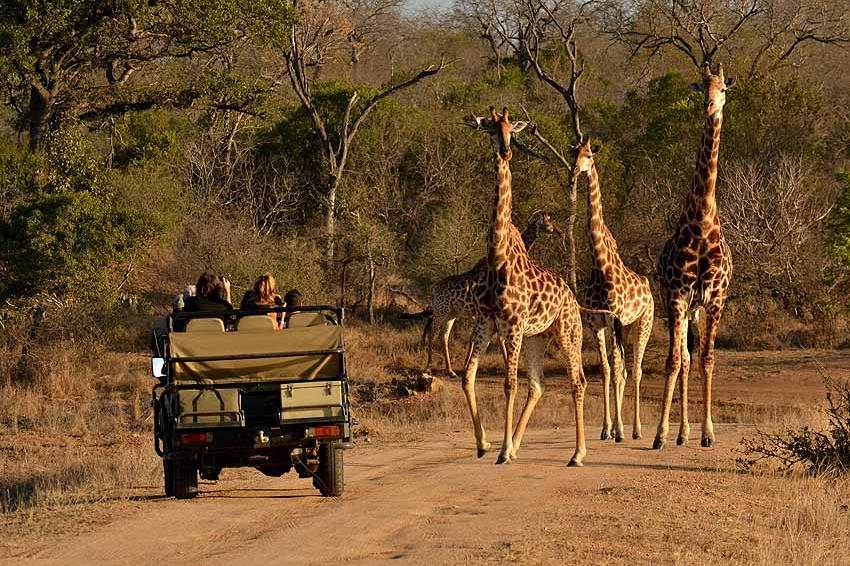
[
  {"x": 76, "y": 58},
  {"x": 314, "y": 38},
  {"x": 770, "y": 33}
]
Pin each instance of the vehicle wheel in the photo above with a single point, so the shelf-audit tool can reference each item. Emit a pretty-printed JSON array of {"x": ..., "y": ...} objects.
[
  {"x": 168, "y": 476},
  {"x": 330, "y": 478},
  {"x": 185, "y": 479}
]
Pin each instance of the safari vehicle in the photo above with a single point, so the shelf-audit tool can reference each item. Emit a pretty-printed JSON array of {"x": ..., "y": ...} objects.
[{"x": 235, "y": 392}]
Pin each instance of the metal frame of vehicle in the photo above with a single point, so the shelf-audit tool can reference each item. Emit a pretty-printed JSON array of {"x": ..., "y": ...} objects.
[{"x": 248, "y": 423}]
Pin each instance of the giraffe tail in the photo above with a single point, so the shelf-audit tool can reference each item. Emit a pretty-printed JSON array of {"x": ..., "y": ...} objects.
[
  {"x": 618, "y": 334},
  {"x": 691, "y": 339}
]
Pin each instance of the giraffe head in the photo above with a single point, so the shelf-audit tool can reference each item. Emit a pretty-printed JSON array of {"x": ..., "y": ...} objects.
[
  {"x": 583, "y": 157},
  {"x": 713, "y": 87},
  {"x": 542, "y": 222},
  {"x": 500, "y": 129}
]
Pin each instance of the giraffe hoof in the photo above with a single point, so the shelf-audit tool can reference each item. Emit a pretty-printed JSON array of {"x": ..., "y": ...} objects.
[
  {"x": 481, "y": 452},
  {"x": 707, "y": 442},
  {"x": 575, "y": 463},
  {"x": 618, "y": 437},
  {"x": 503, "y": 459},
  {"x": 658, "y": 444},
  {"x": 636, "y": 436},
  {"x": 605, "y": 435},
  {"x": 682, "y": 440}
]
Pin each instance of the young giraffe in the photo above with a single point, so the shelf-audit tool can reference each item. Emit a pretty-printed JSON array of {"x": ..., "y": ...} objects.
[
  {"x": 521, "y": 299},
  {"x": 695, "y": 268},
  {"x": 614, "y": 287},
  {"x": 453, "y": 297}
]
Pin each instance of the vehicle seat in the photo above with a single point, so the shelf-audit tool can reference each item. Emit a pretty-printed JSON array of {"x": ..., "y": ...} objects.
[
  {"x": 302, "y": 319},
  {"x": 255, "y": 322},
  {"x": 205, "y": 325}
]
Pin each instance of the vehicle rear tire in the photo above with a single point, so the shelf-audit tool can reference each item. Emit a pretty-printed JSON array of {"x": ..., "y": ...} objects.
[
  {"x": 330, "y": 478},
  {"x": 185, "y": 479},
  {"x": 168, "y": 476}
]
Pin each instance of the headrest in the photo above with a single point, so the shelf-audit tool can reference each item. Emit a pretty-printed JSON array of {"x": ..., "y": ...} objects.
[
  {"x": 205, "y": 325},
  {"x": 302, "y": 319},
  {"x": 256, "y": 322}
]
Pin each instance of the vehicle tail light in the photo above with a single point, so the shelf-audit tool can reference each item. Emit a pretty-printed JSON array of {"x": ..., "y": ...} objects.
[
  {"x": 196, "y": 438},
  {"x": 326, "y": 431}
]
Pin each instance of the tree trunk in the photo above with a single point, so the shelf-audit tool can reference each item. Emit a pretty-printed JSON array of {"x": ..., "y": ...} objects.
[
  {"x": 330, "y": 220},
  {"x": 571, "y": 238},
  {"x": 38, "y": 117},
  {"x": 370, "y": 301}
]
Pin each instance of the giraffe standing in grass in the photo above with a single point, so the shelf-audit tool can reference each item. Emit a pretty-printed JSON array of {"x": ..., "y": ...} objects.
[
  {"x": 616, "y": 288},
  {"x": 454, "y": 297},
  {"x": 694, "y": 270},
  {"x": 522, "y": 300}
]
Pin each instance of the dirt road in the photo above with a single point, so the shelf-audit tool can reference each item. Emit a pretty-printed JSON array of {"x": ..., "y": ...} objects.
[
  {"x": 432, "y": 502},
  {"x": 428, "y": 500}
]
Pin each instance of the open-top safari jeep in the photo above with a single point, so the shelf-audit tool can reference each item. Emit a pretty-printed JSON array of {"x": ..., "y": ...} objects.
[{"x": 251, "y": 396}]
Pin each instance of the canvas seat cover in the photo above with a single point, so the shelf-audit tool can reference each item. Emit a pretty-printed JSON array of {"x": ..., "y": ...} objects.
[{"x": 253, "y": 342}]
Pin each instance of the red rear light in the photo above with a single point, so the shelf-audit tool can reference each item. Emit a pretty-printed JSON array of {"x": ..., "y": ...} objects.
[
  {"x": 327, "y": 431},
  {"x": 196, "y": 437}
]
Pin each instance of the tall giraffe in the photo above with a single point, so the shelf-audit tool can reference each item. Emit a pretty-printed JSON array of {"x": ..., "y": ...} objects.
[
  {"x": 695, "y": 268},
  {"x": 521, "y": 299},
  {"x": 454, "y": 297},
  {"x": 616, "y": 288}
]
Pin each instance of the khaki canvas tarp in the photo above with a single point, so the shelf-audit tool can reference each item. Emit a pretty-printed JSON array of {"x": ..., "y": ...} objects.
[{"x": 257, "y": 342}]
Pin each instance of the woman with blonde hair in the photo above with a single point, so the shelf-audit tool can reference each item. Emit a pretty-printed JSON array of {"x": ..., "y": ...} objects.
[{"x": 264, "y": 295}]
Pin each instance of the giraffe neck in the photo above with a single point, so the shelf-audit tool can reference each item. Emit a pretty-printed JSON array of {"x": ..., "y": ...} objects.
[
  {"x": 595, "y": 222},
  {"x": 702, "y": 206},
  {"x": 497, "y": 240}
]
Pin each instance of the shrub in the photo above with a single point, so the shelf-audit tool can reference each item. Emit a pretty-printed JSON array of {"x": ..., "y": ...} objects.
[{"x": 816, "y": 451}]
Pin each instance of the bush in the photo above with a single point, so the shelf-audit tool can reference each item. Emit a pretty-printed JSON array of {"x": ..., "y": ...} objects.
[{"x": 817, "y": 452}]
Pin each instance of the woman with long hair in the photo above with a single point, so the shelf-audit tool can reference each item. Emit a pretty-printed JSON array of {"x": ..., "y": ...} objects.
[{"x": 264, "y": 295}]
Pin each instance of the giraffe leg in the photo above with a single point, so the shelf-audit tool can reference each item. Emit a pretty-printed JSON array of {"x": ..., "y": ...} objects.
[
  {"x": 480, "y": 337},
  {"x": 534, "y": 350},
  {"x": 428, "y": 336},
  {"x": 599, "y": 334},
  {"x": 569, "y": 339},
  {"x": 513, "y": 343},
  {"x": 712, "y": 319},
  {"x": 676, "y": 319},
  {"x": 684, "y": 373},
  {"x": 640, "y": 333},
  {"x": 445, "y": 332},
  {"x": 619, "y": 379},
  {"x": 504, "y": 350}
]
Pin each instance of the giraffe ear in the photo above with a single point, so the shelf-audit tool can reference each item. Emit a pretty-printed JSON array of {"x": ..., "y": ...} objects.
[
  {"x": 518, "y": 126},
  {"x": 696, "y": 86}
]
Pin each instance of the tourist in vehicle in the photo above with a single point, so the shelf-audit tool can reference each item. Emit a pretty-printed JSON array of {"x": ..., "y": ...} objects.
[
  {"x": 210, "y": 296},
  {"x": 293, "y": 298},
  {"x": 264, "y": 295}
]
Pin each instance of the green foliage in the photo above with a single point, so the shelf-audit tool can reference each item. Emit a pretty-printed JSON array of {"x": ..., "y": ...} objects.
[
  {"x": 655, "y": 125},
  {"x": 839, "y": 221},
  {"x": 144, "y": 136},
  {"x": 75, "y": 231}
]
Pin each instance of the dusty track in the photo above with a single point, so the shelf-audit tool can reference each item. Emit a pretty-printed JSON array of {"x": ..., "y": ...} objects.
[
  {"x": 431, "y": 502},
  {"x": 428, "y": 500}
]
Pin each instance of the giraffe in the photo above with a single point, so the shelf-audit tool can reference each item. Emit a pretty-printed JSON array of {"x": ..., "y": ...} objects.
[
  {"x": 694, "y": 270},
  {"x": 453, "y": 297},
  {"x": 616, "y": 288},
  {"x": 521, "y": 299}
]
